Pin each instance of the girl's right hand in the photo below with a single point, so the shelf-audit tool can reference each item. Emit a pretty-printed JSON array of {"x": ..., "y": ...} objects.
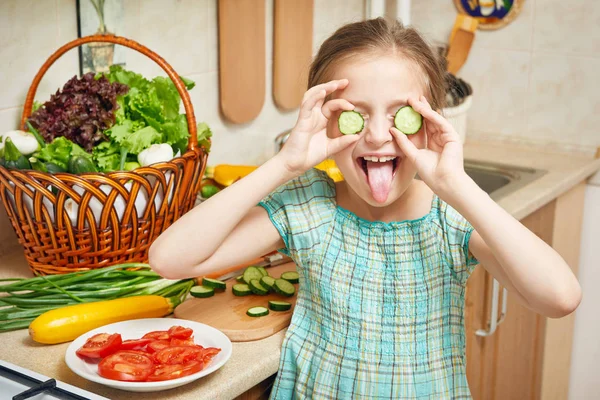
[{"x": 308, "y": 143}]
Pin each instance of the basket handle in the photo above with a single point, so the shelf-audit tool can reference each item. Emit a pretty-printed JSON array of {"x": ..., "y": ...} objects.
[{"x": 183, "y": 93}]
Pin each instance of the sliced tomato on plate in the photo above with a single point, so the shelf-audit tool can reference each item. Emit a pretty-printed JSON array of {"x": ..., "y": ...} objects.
[
  {"x": 208, "y": 354},
  {"x": 178, "y": 354},
  {"x": 157, "y": 345},
  {"x": 100, "y": 345},
  {"x": 127, "y": 365},
  {"x": 174, "y": 371},
  {"x": 134, "y": 344},
  {"x": 180, "y": 332},
  {"x": 183, "y": 342},
  {"x": 157, "y": 335}
]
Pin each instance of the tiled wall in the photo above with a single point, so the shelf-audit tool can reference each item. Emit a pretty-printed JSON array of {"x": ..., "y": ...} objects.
[
  {"x": 184, "y": 32},
  {"x": 535, "y": 79}
]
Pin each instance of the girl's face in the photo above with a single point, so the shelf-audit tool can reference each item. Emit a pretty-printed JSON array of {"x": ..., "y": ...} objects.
[{"x": 374, "y": 166}]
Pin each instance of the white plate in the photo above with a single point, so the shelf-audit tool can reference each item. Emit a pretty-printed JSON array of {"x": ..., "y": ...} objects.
[{"x": 204, "y": 335}]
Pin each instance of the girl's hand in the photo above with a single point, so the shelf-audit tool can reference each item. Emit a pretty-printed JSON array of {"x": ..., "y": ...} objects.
[
  {"x": 308, "y": 143},
  {"x": 441, "y": 163}
]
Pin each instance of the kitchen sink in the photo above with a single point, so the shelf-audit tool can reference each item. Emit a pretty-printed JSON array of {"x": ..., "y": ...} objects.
[{"x": 499, "y": 180}]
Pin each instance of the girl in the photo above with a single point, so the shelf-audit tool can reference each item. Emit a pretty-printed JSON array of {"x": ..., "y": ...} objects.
[{"x": 383, "y": 258}]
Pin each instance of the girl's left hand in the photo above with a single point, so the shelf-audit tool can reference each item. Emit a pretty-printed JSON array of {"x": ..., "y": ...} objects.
[{"x": 441, "y": 163}]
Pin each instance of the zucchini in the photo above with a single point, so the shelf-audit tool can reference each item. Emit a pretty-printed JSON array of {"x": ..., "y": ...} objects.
[
  {"x": 257, "y": 311},
  {"x": 407, "y": 120},
  {"x": 53, "y": 168},
  {"x": 279, "y": 305},
  {"x": 67, "y": 323},
  {"x": 350, "y": 122},
  {"x": 241, "y": 289},
  {"x": 263, "y": 271},
  {"x": 202, "y": 291},
  {"x": 251, "y": 273},
  {"x": 214, "y": 283},
  {"x": 267, "y": 282},
  {"x": 257, "y": 288},
  {"x": 284, "y": 288},
  {"x": 291, "y": 276}
]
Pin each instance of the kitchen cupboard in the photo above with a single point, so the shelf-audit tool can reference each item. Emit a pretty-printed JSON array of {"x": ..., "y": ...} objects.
[{"x": 528, "y": 356}]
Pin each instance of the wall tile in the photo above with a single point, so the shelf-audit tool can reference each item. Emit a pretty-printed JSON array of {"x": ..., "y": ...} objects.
[
  {"x": 10, "y": 118},
  {"x": 433, "y": 18},
  {"x": 499, "y": 79},
  {"x": 517, "y": 35},
  {"x": 329, "y": 15},
  {"x": 564, "y": 105},
  {"x": 567, "y": 27}
]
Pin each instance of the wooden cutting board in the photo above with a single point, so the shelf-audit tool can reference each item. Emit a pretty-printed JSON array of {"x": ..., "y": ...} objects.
[
  {"x": 292, "y": 51},
  {"x": 227, "y": 312},
  {"x": 241, "y": 59}
]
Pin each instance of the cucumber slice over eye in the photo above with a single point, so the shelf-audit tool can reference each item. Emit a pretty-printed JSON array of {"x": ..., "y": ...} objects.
[
  {"x": 214, "y": 283},
  {"x": 291, "y": 276},
  {"x": 257, "y": 311},
  {"x": 350, "y": 122},
  {"x": 279, "y": 305},
  {"x": 407, "y": 120},
  {"x": 202, "y": 291}
]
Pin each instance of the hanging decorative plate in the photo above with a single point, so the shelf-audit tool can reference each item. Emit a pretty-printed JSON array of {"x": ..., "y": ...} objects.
[{"x": 491, "y": 14}]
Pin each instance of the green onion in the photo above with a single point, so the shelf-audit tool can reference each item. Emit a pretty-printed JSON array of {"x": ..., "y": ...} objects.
[{"x": 26, "y": 299}]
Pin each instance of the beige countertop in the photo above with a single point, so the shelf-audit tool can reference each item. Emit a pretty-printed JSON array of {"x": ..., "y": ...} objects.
[{"x": 253, "y": 362}]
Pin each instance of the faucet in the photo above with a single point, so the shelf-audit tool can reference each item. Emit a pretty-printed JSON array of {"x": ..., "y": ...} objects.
[{"x": 281, "y": 139}]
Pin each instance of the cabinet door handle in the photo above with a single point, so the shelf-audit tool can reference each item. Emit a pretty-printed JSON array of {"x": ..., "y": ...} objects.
[{"x": 494, "y": 319}]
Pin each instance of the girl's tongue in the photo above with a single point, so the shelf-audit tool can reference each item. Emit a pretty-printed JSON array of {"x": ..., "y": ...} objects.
[{"x": 380, "y": 176}]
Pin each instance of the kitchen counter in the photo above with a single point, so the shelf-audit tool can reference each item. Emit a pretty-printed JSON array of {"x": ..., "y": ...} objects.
[{"x": 253, "y": 362}]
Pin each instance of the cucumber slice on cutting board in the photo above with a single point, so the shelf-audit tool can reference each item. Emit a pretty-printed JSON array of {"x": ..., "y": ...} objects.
[
  {"x": 257, "y": 311},
  {"x": 213, "y": 283},
  {"x": 279, "y": 305},
  {"x": 252, "y": 273},
  {"x": 257, "y": 288},
  {"x": 284, "y": 288},
  {"x": 267, "y": 282},
  {"x": 350, "y": 122},
  {"x": 407, "y": 120},
  {"x": 291, "y": 276},
  {"x": 241, "y": 289},
  {"x": 202, "y": 291}
]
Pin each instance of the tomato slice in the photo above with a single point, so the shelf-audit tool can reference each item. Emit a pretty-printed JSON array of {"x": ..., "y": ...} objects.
[
  {"x": 211, "y": 352},
  {"x": 183, "y": 342},
  {"x": 174, "y": 371},
  {"x": 157, "y": 345},
  {"x": 126, "y": 365},
  {"x": 100, "y": 345},
  {"x": 178, "y": 354},
  {"x": 134, "y": 344},
  {"x": 180, "y": 332},
  {"x": 157, "y": 335}
]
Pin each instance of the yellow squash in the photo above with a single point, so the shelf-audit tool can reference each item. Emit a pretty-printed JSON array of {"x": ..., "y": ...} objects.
[
  {"x": 67, "y": 323},
  {"x": 226, "y": 175}
]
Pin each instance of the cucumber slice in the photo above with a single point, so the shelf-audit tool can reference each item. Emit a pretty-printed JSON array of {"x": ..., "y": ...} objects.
[
  {"x": 284, "y": 288},
  {"x": 257, "y": 311},
  {"x": 291, "y": 276},
  {"x": 252, "y": 273},
  {"x": 213, "y": 283},
  {"x": 350, "y": 122},
  {"x": 241, "y": 289},
  {"x": 407, "y": 120},
  {"x": 202, "y": 291},
  {"x": 267, "y": 282},
  {"x": 257, "y": 288},
  {"x": 279, "y": 305},
  {"x": 263, "y": 271},
  {"x": 240, "y": 278}
]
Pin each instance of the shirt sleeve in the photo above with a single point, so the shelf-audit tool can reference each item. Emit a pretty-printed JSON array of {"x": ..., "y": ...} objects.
[
  {"x": 457, "y": 233},
  {"x": 295, "y": 209}
]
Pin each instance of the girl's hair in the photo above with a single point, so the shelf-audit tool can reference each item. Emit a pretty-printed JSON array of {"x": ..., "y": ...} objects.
[{"x": 385, "y": 37}]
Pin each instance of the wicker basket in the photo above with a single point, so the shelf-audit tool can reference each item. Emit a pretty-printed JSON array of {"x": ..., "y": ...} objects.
[{"x": 56, "y": 217}]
